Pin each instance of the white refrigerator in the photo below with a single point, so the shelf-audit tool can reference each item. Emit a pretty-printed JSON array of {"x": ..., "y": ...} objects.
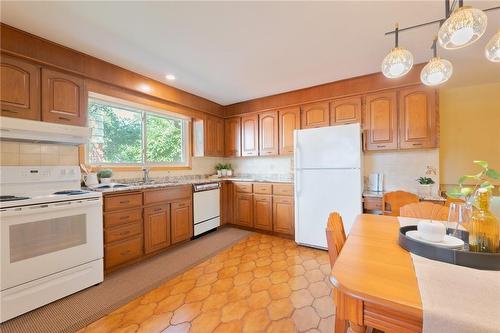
[{"x": 328, "y": 178}]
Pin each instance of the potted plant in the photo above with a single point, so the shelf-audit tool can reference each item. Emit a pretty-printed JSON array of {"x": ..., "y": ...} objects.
[
  {"x": 218, "y": 168},
  {"x": 425, "y": 186},
  {"x": 224, "y": 170},
  {"x": 104, "y": 176},
  {"x": 229, "y": 170}
]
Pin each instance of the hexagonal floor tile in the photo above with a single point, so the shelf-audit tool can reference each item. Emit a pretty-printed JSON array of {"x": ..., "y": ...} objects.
[
  {"x": 206, "y": 322},
  {"x": 279, "y": 309},
  {"x": 259, "y": 300},
  {"x": 305, "y": 318},
  {"x": 319, "y": 289},
  {"x": 301, "y": 298},
  {"x": 256, "y": 321},
  {"x": 185, "y": 313},
  {"x": 279, "y": 291},
  {"x": 234, "y": 311},
  {"x": 324, "y": 306}
]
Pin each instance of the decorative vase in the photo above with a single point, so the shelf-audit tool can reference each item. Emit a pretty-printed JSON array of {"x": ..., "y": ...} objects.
[
  {"x": 484, "y": 229},
  {"x": 229, "y": 172},
  {"x": 425, "y": 190},
  {"x": 224, "y": 172},
  {"x": 219, "y": 173}
]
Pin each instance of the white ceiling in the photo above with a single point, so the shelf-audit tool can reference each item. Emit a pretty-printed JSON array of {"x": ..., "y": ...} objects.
[{"x": 234, "y": 51}]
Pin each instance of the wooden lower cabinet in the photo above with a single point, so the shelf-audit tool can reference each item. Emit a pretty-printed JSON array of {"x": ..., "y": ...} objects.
[
  {"x": 156, "y": 228},
  {"x": 227, "y": 202},
  {"x": 181, "y": 221},
  {"x": 263, "y": 211},
  {"x": 120, "y": 252},
  {"x": 283, "y": 215},
  {"x": 243, "y": 210}
]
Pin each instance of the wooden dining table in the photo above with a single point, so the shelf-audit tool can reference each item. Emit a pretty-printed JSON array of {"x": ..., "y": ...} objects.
[{"x": 374, "y": 280}]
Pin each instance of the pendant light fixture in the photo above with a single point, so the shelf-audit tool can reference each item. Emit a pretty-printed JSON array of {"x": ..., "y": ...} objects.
[
  {"x": 464, "y": 26},
  {"x": 398, "y": 62},
  {"x": 492, "y": 49},
  {"x": 437, "y": 70}
]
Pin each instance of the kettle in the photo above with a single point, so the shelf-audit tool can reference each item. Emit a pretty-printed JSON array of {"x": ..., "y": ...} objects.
[{"x": 90, "y": 179}]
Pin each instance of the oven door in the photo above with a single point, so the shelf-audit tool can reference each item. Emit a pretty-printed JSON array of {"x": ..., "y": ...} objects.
[{"x": 44, "y": 239}]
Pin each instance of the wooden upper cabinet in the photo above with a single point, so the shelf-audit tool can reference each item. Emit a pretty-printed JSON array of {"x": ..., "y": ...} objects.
[
  {"x": 181, "y": 221},
  {"x": 156, "y": 228},
  {"x": 381, "y": 130},
  {"x": 345, "y": 111},
  {"x": 64, "y": 99},
  {"x": 214, "y": 136},
  {"x": 289, "y": 121},
  {"x": 232, "y": 134},
  {"x": 249, "y": 135},
  {"x": 417, "y": 118},
  {"x": 20, "y": 88},
  {"x": 268, "y": 133},
  {"x": 315, "y": 115}
]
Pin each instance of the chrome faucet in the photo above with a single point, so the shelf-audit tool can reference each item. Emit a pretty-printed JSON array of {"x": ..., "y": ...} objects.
[{"x": 145, "y": 177}]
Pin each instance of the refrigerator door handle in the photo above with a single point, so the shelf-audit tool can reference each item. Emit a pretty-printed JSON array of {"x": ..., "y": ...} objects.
[{"x": 297, "y": 184}]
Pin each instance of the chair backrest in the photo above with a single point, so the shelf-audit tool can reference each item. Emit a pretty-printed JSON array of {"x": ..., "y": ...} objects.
[
  {"x": 396, "y": 200},
  {"x": 425, "y": 210},
  {"x": 335, "y": 236}
]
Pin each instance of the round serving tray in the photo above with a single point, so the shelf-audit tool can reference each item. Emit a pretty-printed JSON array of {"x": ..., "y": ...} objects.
[{"x": 461, "y": 257}]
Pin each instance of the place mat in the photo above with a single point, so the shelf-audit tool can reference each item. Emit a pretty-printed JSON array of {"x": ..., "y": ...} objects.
[{"x": 455, "y": 298}]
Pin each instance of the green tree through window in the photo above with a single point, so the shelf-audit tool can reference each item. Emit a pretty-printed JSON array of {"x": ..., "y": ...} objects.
[{"x": 117, "y": 136}]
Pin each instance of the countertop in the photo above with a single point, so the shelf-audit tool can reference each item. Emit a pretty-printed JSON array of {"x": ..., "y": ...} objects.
[
  {"x": 373, "y": 194},
  {"x": 134, "y": 186}
]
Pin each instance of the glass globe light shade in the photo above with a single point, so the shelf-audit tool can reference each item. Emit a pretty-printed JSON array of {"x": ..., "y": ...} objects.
[
  {"x": 397, "y": 63},
  {"x": 492, "y": 49},
  {"x": 464, "y": 26},
  {"x": 436, "y": 71}
]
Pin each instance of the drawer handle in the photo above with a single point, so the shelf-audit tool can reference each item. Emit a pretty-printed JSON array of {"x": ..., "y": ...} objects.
[
  {"x": 125, "y": 201},
  {"x": 158, "y": 209},
  {"x": 416, "y": 144},
  {"x": 125, "y": 233},
  {"x": 124, "y": 217},
  {"x": 380, "y": 146},
  {"x": 11, "y": 111},
  {"x": 124, "y": 253},
  {"x": 64, "y": 118},
  {"x": 181, "y": 205}
]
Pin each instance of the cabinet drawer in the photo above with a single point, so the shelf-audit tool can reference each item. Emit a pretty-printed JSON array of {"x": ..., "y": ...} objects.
[
  {"x": 243, "y": 187},
  {"x": 262, "y": 188},
  {"x": 122, "y": 232},
  {"x": 124, "y": 217},
  {"x": 122, "y": 201},
  {"x": 283, "y": 189},
  {"x": 123, "y": 251},
  {"x": 371, "y": 203},
  {"x": 167, "y": 194}
]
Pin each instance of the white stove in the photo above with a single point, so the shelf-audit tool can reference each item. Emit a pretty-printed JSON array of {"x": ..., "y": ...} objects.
[{"x": 51, "y": 237}]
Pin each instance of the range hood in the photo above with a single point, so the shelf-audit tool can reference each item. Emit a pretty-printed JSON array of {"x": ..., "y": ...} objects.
[{"x": 41, "y": 131}]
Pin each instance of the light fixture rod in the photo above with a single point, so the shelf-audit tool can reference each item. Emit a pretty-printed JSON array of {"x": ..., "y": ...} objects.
[
  {"x": 396, "y": 38},
  {"x": 431, "y": 22},
  {"x": 434, "y": 47}
]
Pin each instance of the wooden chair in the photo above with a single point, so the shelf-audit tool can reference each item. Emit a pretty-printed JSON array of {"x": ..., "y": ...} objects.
[
  {"x": 335, "y": 236},
  {"x": 425, "y": 210},
  {"x": 396, "y": 200}
]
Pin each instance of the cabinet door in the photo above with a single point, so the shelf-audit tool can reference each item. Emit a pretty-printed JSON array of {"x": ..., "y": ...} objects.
[
  {"x": 214, "y": 136},
  {"x": 156, "y": 228},
  {"x": 227, "y": 202},
  {"x": 268, "y": 133},
  {"x": 249, "y": 135},
  {"x": 263, "y": 212},
  {"x": 20, "y": 89},
  {"x": 63, "y": 98},
  {"x": 289, "y": 121},
  {"x": 243, "y": 209},
  {"x": 315, "y": 115},
  {"x": 181, "y": 221},
  {"x": 232, "y": 134},
  {"x": 417, "y": 118},
  {"x": 283, "y": 215},
  {"x": 345, "y": 111},
  {"x": 381, "y": 130}
]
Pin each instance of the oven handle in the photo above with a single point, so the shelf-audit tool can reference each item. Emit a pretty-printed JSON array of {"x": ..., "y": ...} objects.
[{"x": 50, "y": 207}]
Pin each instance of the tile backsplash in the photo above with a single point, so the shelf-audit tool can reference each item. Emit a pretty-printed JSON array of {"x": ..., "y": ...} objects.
[{"x": 20, "y": 153}]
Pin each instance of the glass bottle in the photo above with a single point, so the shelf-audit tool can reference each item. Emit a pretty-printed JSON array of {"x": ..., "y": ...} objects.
[{"x": 484, "y": 228}]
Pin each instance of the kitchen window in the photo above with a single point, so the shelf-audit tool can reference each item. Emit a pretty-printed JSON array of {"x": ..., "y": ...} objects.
[{"x": 128, "y": 134}]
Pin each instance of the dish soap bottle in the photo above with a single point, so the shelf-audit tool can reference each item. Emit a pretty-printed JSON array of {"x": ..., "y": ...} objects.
[{"x": 484, "y": 229}]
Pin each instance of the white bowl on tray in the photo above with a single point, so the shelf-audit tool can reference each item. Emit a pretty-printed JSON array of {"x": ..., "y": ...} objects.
[{"x": 448, "y": 241}]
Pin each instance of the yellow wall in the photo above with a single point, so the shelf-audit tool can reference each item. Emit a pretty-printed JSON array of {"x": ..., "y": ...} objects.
[{"x": 470, "y": 129}]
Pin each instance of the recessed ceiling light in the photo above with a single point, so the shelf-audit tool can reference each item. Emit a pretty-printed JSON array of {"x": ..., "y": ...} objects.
[{"x": 170, "y": 77}]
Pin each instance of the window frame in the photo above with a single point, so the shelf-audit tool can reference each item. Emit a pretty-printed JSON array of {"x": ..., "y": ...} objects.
[{"x": 144, "y": 110}]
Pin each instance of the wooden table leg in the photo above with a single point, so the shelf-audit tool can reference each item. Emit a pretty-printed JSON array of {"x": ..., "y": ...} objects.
[
  {"x": 357, "y": 328},
  {"x": 340, "y": 325}
]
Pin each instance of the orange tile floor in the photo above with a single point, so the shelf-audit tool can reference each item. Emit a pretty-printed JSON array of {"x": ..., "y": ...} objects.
[{"x": 261, "y": 284}]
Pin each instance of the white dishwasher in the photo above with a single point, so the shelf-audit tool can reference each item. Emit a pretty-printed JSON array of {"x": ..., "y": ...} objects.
[{"x": 206, "y": 207}]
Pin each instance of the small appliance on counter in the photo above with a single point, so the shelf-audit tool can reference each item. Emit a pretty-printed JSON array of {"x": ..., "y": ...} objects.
[{"x": 376, "y": 182}]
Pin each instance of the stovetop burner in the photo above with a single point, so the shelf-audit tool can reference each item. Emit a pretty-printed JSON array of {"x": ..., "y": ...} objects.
[
  {"x": 11, "y": 198},
  {"x": 71, "y": 192}
]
